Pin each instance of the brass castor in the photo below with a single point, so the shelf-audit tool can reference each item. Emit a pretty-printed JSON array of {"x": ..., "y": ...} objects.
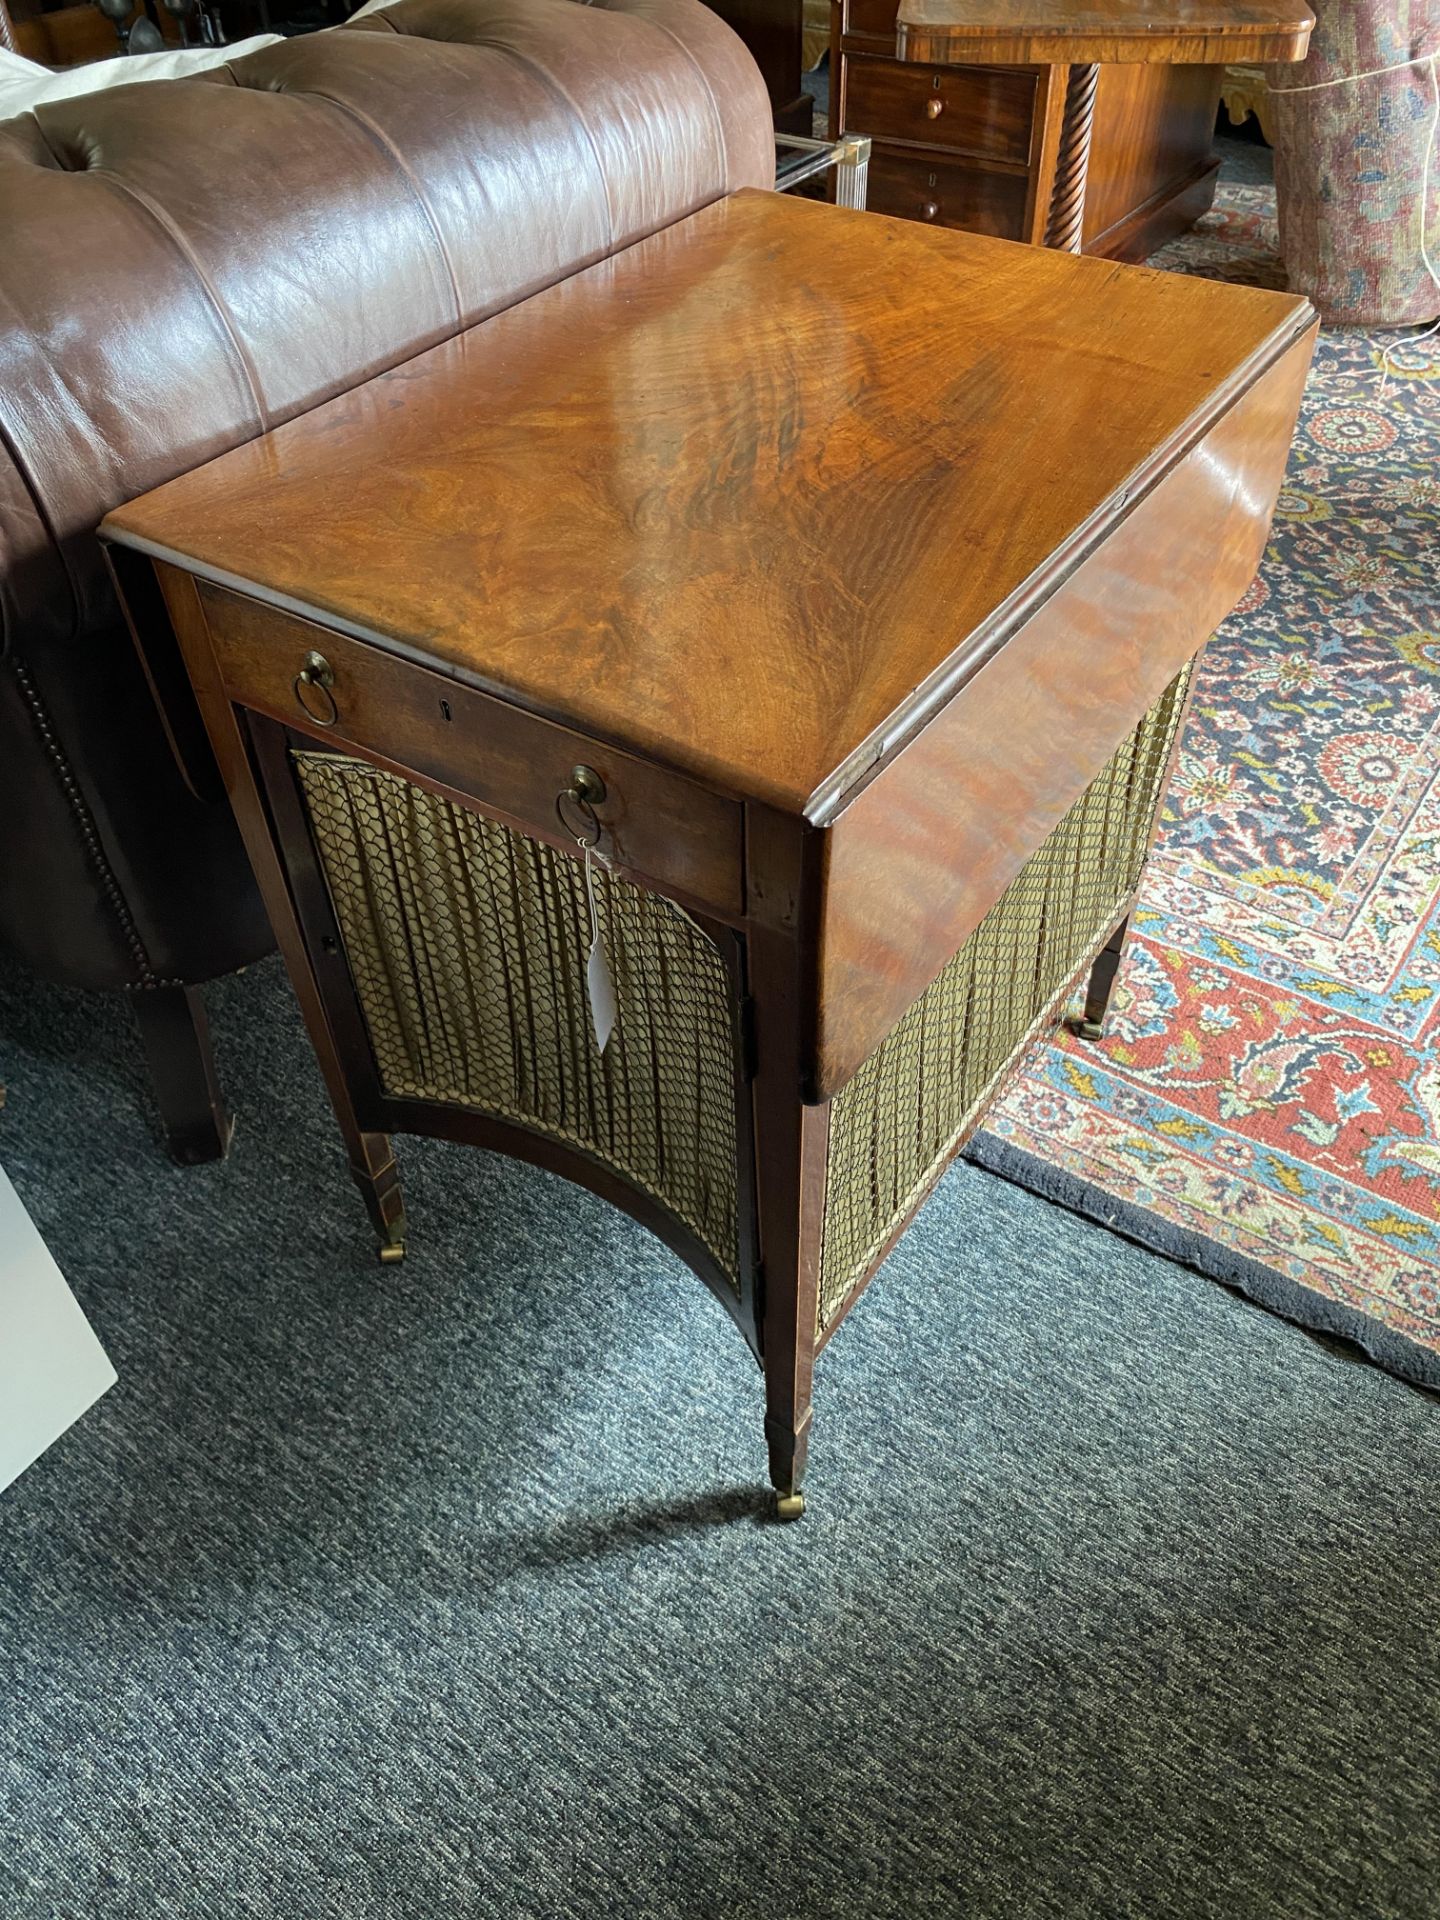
[
  {"x": 789, "y": 1506},
  {"x": 1088, "y": 1029},
  {"x": 394, "y": 1250}
]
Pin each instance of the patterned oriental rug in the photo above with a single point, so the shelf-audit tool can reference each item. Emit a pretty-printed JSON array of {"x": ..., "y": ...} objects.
[{"x": 1265, "y": 1105}]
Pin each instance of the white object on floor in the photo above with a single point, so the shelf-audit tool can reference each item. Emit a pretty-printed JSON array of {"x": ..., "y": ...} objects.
[
  {"x": 52, "y": 1368},
  {"x": 25, "y": 83}
]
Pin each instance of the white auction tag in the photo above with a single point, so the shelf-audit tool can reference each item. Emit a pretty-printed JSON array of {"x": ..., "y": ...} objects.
[
  {"x": 598, "y": 983},
  {"x": 601, "y": 989},
  {"x": 52, "y": 1368}
]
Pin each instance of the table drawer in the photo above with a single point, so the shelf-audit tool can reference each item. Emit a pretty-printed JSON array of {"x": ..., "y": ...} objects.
[
  {"x": 965, "y": 109},
  {"x": 946, "y": 193},
  {"x": 657, "y": 825}
]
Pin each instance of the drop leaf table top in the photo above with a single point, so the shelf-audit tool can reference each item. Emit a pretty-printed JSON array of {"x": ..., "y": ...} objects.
[
  {"x": 751, "y": 498},
  {"x": 1106, "y": 32},
  {"x": 883, "y": 531}
]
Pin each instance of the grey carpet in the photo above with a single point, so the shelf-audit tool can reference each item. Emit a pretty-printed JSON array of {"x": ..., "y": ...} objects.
[{"x": 444, "y": 1590}]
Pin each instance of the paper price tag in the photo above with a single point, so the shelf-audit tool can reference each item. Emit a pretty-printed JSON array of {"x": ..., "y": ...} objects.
[
  {"x": 598, "y": 984},
  {"x": 601, "y": 989}
]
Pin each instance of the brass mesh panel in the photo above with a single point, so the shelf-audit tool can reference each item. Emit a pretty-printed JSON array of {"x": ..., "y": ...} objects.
[
  {"x": 468, "y": 945},
  {"x": 898, "y": 1119}
]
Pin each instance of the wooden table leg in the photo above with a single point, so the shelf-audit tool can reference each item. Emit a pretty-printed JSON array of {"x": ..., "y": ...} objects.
[
  {"x": 1064, "y": 229},
  {"x": 372, "y": 1164},
  {"x": 790, "y": 1156},
  {"x": 1101, "y": 984}
]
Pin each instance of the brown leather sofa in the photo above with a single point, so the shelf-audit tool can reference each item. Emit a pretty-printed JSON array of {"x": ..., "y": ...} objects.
[{"x": 186, "y": 263}]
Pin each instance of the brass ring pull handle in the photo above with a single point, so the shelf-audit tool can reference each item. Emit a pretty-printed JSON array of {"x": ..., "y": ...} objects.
[
  {"x": 584, "y": 793},
  {"x": 318, "y": 675}
]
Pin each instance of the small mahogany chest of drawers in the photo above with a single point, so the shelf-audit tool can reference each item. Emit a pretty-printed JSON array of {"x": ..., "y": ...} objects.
[
  {"x": 976, "y": 147},
  {"x": 760, "y": 654}
]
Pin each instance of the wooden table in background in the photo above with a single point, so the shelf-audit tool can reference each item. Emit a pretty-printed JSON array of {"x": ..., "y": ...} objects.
[
  {"x": 1084, "y": 35},
  {"x": 840, "y": 576}
]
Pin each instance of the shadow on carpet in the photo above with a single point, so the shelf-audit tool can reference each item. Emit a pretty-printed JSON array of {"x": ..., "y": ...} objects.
[{"x": 446, "y": 1590}]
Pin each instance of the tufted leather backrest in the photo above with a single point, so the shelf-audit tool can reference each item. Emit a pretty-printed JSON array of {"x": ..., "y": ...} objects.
[
  {"x": 188, "y": 262},
  {"x": 184, "y": 263}
]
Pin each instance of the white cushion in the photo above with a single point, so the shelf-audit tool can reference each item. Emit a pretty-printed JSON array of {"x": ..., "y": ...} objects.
[{"x": 25, "y": 83}]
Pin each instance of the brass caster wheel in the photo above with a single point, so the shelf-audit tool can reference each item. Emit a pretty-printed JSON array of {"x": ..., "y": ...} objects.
[
  {"x": 1088, "y": 1029},
  {"x": 393, "y": 1252},
  {"x": 789, "y": 1506}
]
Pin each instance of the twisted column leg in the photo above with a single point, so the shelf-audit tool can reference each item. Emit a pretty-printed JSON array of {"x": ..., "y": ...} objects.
[{"x": 1072, "y": 164}]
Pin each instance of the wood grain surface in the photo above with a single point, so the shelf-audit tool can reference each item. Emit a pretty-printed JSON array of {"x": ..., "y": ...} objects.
[
  {"x": 946, "y": 189},
  {"x": 749, "y": 499},
  {"x": 1172, "y": 32},
  {"x": 1154, "y": 140},
  {"x": 916, "y": 859},
  {"x": 966, "y": 110},
  {"x": 654, "y": 826}
]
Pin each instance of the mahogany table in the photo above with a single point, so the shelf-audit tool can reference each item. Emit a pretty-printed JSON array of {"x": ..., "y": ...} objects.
[
  {"x": 1086, "y": 34},
  {"x": 836, "y": 581}
]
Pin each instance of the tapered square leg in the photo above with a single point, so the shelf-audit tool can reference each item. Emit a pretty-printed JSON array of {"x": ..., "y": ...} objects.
[
  {"x": 787, "y": 1438},
  {"x": 790, "y": 1142},
  {"x": 791, "y": 1194},
  {"x": 373, "y": 1169},
  {"x": 1101, "y": 984}
]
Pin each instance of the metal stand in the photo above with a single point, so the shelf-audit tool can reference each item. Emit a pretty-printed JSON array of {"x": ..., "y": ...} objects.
[{"x": 849, "y": 155}]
